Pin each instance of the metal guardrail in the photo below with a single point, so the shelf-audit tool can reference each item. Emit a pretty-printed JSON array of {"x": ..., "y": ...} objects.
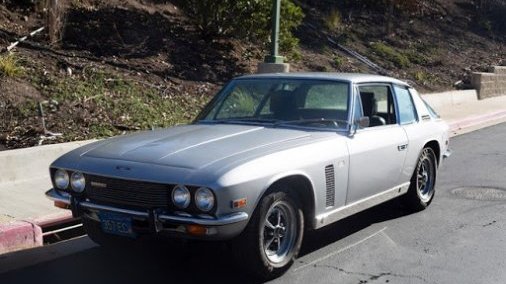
[
  {"x": 378, "y": 69},
  {"x": 359, "y": 57}
]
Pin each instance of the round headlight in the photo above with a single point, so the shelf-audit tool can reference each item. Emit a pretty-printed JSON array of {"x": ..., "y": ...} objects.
[
  {"x": 181, "y": 196},
  {"x": 61, "y": 179},
  {"x": 78, "y": 182},
  {"x": 204, "y": 199}
]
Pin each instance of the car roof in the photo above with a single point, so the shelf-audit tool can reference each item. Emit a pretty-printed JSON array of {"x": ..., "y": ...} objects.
[{"x": 348, "y": 77}]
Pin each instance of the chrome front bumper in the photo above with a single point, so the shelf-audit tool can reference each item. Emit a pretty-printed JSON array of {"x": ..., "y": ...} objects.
[{"x": 157, "y": 218}]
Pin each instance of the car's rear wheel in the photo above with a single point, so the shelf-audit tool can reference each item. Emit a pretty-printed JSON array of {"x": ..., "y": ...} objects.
[
  {"x": 273, "y": 237},
  {"x": 422, "y": 188}
]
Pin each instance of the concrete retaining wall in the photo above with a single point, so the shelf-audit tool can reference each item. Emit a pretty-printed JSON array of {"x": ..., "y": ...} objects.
[
  {"x": 490, "y": 84},
  {"x": 29, "y": 163},
  {"x": 451, "y": 98}
]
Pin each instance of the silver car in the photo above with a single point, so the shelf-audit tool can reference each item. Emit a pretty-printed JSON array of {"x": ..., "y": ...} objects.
[{"x": 268, "y": 158}]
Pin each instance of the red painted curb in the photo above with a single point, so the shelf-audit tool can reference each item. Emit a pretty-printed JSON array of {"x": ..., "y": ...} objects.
[
  {"x": 476, "y": 120},
  {"x": 19, "y": 235}
]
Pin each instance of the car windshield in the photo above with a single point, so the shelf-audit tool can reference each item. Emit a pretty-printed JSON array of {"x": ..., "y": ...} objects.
[{"x": 281, "y": 102}]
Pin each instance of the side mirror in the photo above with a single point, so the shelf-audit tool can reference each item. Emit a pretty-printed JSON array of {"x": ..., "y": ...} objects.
[{"x": 363, "y": 122}]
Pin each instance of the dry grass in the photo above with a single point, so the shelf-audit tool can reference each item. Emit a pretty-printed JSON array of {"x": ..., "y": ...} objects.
[
  {"x": 333, "y": 20},
  {"x": 10, "y": 66}
]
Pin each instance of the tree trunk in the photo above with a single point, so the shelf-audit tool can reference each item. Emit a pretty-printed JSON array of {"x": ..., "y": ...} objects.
[
  {"x": 55, "y": 20},
  {"x": 390, "y": 18}
]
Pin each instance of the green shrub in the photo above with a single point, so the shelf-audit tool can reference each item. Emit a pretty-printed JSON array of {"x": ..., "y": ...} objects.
[
  {"x": 424, "y": 78},
  {"x": 338, "y": 60},
  {"x": 390, "y": 54},
  {"x": 417, "y": 57},
  {"x": 244, "y": 19}
]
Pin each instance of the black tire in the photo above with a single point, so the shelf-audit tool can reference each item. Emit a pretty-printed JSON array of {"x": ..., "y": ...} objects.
[
  {"x": 267, "y": 250},
  {"x": 422, "y": 188}
]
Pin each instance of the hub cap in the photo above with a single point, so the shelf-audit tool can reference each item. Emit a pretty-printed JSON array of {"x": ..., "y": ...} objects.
[
  {"x": 279, "y": 232},
  {"x": 425, "y": 177}
]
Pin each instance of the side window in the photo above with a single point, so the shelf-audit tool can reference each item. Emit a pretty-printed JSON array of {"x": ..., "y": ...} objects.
[
  {"x": 407, "y": 112},
  {"x": 377, "y": 104}
]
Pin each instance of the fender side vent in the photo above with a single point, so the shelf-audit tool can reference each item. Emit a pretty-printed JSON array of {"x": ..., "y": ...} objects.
[{"x": 330, "y": 186}]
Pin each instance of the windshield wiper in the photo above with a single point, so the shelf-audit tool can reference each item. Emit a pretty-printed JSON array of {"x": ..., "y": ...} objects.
[
  {"x": 241, "y": 121},
  {"x": 319, "y": 121}
]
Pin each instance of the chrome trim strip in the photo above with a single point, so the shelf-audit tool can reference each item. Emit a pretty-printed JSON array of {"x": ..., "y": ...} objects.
[
  {"x": 351, "y": 209},
  {"x": 224, "y": 220},
  {"x": 92, "y": 206},
  {"x": 54, "y": 195}
]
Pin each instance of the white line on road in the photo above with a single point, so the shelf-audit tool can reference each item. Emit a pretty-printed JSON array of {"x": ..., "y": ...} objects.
[{"x": 339, "y": 251}]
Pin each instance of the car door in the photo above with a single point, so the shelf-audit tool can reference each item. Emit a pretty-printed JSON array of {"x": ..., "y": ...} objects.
[
  {"x": 377, "y": 152},
  {"x": 417, "y": 125}
]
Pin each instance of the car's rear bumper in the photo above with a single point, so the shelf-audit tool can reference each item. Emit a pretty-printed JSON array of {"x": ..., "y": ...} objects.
[{"x": 213, "y": 228}]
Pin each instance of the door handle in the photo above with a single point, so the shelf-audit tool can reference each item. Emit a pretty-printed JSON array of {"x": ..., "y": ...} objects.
[{"x": 402, "y": 147}]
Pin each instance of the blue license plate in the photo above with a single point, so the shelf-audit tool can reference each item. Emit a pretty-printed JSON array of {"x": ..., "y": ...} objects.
[{"x": 117, "y": 224}]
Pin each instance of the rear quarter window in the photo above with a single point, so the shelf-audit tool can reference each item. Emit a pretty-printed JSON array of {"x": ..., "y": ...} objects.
[{"x": 407, "y": 111}]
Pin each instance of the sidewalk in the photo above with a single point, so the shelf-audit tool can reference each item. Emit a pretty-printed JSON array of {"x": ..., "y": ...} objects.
[
  {"x": 467, "y": 117},
  {"x": 24, "y": 210}
]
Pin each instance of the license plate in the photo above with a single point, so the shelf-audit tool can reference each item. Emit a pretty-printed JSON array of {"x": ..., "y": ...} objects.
[{"x": 117, "y": 224}]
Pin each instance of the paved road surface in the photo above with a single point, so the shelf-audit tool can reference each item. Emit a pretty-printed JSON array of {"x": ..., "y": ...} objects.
[{"x": 461, "y": 238}]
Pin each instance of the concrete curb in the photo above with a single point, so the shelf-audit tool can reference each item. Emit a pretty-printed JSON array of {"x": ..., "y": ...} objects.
[
  {"x": 24, "y": 234},
  {"x": 19, "y": 235},
  {"x": 475, "y": 122}
]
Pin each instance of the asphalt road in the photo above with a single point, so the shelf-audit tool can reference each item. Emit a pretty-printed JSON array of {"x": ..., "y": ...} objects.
[{"x": 460, "y": 238}]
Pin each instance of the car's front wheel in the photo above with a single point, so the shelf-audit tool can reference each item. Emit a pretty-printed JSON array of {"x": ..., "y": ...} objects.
[
  {"x": 422, "y": 187},
  {"x": 273, "y": 237}
]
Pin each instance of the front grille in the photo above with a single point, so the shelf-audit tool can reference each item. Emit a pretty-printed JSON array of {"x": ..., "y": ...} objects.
[
  {"x": 126, "y": 192},
  {"x": 330, "y": 186}
]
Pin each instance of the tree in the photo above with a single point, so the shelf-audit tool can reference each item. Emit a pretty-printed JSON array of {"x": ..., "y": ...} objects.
[
  {"x": 244, "y": 19},
  {"x": 55, "y": 20}
]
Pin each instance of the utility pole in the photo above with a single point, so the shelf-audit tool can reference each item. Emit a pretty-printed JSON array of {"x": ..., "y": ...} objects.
[
  {"x": 273, "y": 63},
  {"x": 276, "y": 14}
]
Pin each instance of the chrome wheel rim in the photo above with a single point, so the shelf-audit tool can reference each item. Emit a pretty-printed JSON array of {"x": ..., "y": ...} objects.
[
  {"x": 279, "y": 232},
  {"x": 425, "y": 177}
]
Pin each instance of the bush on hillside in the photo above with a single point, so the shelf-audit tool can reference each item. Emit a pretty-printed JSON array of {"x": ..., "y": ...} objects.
[{"x": 244, "y": 19}]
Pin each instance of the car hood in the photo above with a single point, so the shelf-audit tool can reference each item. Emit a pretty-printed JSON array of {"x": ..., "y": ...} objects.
[{"x": 193, "y": 146}]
